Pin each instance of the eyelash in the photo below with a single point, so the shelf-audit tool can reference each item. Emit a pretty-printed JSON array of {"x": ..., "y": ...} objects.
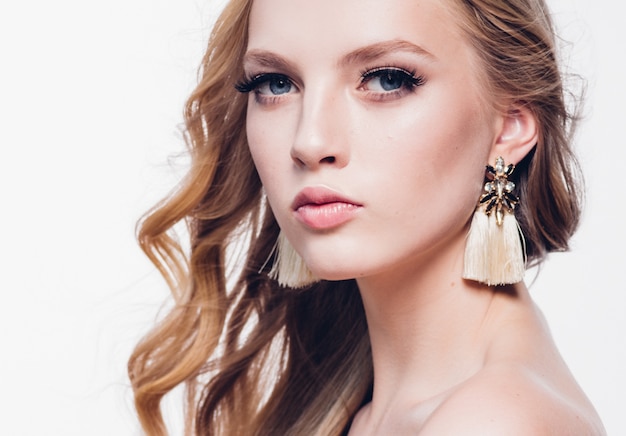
[
  {"x": 410, "y": 81},
  {"x": 248, "y": 85},
  {"x": 253, "y": 85}
]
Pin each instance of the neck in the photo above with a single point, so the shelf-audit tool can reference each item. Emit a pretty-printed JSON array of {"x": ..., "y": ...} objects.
[{"x": 430, "y": 330}]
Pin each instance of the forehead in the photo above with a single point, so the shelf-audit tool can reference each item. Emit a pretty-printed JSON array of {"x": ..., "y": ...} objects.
[{"x": 330, "y": 27}]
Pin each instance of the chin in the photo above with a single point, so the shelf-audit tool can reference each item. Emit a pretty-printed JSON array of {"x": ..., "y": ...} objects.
[
  {"x": 333, "y": 272},
  {"x": 333, "y": 275}
]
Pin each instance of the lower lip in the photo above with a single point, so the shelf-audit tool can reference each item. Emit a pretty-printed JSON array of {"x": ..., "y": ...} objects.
[{"x": 326, "y": 216}]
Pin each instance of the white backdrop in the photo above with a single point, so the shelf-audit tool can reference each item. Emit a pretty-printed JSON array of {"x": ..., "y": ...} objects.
[{"x": 91, "y": 96}]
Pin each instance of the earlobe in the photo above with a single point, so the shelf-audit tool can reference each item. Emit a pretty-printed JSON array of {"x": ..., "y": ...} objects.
[{"x": 518, "y": 134}]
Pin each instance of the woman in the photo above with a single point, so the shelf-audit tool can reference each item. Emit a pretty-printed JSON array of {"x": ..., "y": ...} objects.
[{"x": 347, "y": 141}]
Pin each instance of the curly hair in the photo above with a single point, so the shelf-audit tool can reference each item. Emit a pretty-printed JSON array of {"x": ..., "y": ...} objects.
[{"x": 257, "y": 359}]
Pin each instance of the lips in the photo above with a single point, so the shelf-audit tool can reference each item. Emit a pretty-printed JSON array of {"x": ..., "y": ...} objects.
[{"x": 322, "y": 209}]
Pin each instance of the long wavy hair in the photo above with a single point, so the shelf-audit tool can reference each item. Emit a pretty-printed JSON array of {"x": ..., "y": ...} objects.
[{"x": 258, "y": 359}]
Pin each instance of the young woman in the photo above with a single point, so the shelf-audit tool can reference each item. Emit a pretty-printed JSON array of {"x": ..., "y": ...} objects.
[{"x": 346, "y": 141}]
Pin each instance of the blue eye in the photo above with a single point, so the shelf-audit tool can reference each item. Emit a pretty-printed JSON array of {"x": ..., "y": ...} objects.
[
  {"x": 266, "y": 84},
  {"x": 387, "y": 79},
  {"x": 391, "y": 80},
  {"x": 276, "y": 85}
]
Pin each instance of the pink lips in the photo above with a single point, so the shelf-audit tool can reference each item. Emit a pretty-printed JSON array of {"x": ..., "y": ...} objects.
[{"x": 321, "y": 208}]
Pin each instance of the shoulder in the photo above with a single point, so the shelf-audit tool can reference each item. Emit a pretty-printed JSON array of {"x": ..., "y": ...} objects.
[{"x": 512, "y": 400}]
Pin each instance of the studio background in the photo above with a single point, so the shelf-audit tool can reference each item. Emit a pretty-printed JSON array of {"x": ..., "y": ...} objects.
[{"x": 91, "y": 97}]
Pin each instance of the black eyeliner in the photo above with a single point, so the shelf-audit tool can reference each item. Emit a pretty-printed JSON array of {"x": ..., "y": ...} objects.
[
  {"x": 249, "y": 85},
  {"x": 410, "y": 76}
]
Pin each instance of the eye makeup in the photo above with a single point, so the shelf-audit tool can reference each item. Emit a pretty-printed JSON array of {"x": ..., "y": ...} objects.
[{"x": 389, "y": 82}]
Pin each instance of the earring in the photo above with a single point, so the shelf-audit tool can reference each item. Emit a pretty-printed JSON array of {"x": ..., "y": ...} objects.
[
  {"x": 494, "y": 252},
  {"x": 289, "y": 268}
]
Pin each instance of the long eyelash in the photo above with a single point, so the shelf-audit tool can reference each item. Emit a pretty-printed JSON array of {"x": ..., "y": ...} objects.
[
  {"x": 410, "y": 76},
  {"x": 249, "y": 85}
]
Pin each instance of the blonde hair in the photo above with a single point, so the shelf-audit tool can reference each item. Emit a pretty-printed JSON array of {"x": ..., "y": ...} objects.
[
  {"x": 257, "y": 359},
  {"x": 516, "y": 43}
]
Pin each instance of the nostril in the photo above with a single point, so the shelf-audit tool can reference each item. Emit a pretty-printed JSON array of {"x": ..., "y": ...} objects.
[{"x": 328, "y": 159}]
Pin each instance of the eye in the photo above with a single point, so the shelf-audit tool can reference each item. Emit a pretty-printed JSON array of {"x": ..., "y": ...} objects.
[
  {"x": 389, "y": 80},
  {"x": 267, "y": 84},
  {"x": 275, "y": 85}
]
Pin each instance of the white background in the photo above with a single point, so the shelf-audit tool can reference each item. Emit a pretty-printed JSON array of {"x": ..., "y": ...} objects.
[{"x": 91, "y": 96}]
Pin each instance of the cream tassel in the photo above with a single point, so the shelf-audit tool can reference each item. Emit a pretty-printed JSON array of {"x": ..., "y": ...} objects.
[
  {"x": 289, "y": 268},
  {"x": 494, "y": 251},
  {"x": 494, "y": 254}
]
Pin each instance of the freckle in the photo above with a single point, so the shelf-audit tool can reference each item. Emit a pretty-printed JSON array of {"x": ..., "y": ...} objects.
[{"x": 452, "y": 284}]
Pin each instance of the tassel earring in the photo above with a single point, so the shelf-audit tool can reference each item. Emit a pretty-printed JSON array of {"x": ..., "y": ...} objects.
[
  {"x": 494, "y": 252},
  {"x": 289, "y": 268}
]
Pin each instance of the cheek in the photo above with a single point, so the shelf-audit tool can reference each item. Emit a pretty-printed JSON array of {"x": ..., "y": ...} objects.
[
  {"x": 430, "y": 143},
  {"x": 269, "y": 146},
  {"x": 265, "y": 146},
  {"x": 430, "y": 161}
]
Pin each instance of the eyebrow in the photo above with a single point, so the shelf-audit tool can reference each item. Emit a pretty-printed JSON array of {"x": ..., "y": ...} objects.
[
  {"x": 268, "y": 59},
  {"x": 374, "y": 51}
]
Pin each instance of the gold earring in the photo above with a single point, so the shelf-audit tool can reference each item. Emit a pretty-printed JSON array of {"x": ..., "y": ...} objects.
[
  {"x": 289, "y": 268},
  {"x": 494, "y": 251}
]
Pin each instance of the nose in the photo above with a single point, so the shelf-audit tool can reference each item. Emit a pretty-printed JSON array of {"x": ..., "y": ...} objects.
[{"x": 320, "y": 139}]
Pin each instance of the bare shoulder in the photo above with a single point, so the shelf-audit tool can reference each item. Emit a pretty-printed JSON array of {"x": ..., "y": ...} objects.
[{"x": 512, "y": 400}]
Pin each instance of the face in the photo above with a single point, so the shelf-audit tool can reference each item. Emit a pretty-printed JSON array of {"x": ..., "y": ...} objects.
[{"x": 366, "y": 126}]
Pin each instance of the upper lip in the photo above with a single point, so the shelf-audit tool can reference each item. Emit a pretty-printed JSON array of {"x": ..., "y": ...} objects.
[{"x": 319, "y": 195}]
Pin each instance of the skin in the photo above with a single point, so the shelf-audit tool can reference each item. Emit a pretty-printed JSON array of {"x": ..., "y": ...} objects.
[{"x": 450, "y": 356}]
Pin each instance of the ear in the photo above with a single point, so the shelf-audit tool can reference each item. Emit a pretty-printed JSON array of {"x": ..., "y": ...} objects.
[{"x": 518, "y": 134}]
